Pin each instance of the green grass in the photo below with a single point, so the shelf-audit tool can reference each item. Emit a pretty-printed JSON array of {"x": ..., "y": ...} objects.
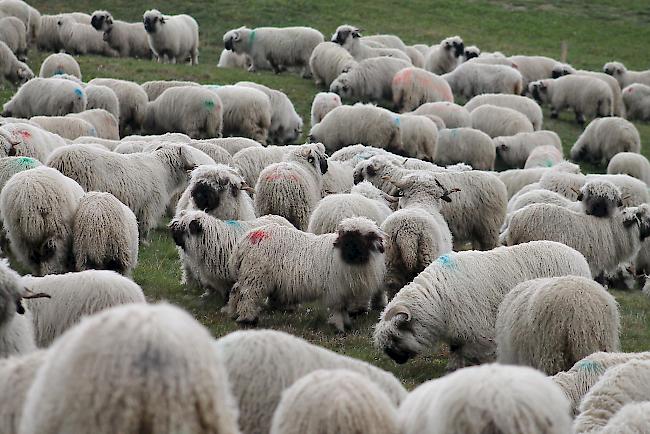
[{"x": 595, "y": 31}]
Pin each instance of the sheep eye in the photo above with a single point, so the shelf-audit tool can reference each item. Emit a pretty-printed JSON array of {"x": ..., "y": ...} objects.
[
  {"x": 310, "y": 159},
  {"x": 399, "y": 193}
]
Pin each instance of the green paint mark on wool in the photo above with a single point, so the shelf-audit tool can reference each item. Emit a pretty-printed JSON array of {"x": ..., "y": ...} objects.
[
  {"x": 548, "y": 163},
  {"x": 446, "y": 261},
  {"x": 26, "y": 162},
  {"x": 589, "y": 366},
  {"x": 209, "y": 104},
  {"x": 251, "y": 39}
]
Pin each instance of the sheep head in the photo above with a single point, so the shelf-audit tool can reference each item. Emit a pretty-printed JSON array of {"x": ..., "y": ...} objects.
[
  {"x": 454, "y": 45},
  {"x": 212, "y": 185},
  {"x": 614, "y": 69},
  {"x": 233, "y": 39},
  {"x": 600, "y": 198},
  {"x": 152, "y": 20},
  {"x": 395, "y": 333},
  {"x": 539, "y": 90},
  {"x": 358, "y": 238},
  {"x": 101, "y": 20},
  {"x": 346, "y": 33}
]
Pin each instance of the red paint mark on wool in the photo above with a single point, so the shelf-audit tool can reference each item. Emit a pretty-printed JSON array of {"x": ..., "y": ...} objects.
[
  {"x": 25, "y": 134},
  {"x": 257, "y": 237},
  {"x": 275, "y": 176}
]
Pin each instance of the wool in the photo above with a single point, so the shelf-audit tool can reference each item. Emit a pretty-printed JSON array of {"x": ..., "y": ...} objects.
[
  {"x": 417, "y": 58},
  {"x": 14, "y": 34},
  {"x": 444, "y": 57},
  {"x": 234, "y": 144},
  {"x": 230, "y": 59},
  {"x": 413, "y": 87},
  {"x": 329, "y": 60},
  {"x": 128, "y": 39},
  {"x": 499, "y": 121},
  {"x": 369, "y": 81},
  {"x": 46, "y": 97},
  {"x": 624, "y": 76},
  {"x": 453, "y": 115},
  {"x": 514, "y": 149},
  {"x": 172, "y": 38},
  {"x": 636, "y": 98},
  {"x": 419, "y": 136},
  {"x": 465, "y": 145},
  {"x": 102, "y": 97},
  {"x": 251, "y": 161},
  {"x": 132, "y": 102},
  {"x": 105, "y": 124},
  {"x": 630, "y": 163},
  {"x": 631, "y": 418},
  {"x": 66, "y": 127},
  {"x": 473, "y": 78},
  {"x": 59, "y": 63},
  {"x": 247, "y": 112},
  {"x": 28, "y": 140},
  {"x": 16, "y": 330},
  {"x": 81, "y": 38},
  {"x": 16, "y": 376},
  {"x": 11, "y": 68},
  {"x": 604, "y": 138},
  {"x": 544, "y": 156},
  {"x": 526, "y": 106},
  {"x": 533, "y": 68},
  {"x": 155, "y": 88}
]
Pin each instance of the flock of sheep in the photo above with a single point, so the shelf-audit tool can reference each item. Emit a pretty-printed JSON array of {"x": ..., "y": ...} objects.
[{"x": 376, "y": 212}]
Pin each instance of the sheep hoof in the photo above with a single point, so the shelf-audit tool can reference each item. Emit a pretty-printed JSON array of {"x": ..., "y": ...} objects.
[{"x": 247, "y": 322}]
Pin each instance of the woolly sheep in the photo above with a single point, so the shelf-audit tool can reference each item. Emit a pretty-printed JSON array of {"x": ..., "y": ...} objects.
[
  {"x": 14, "y": 34},
  {"x": 471, "y": 52},
  {"x": 635, "y": 192},
  {"x": 499, "y": 121},
  {"x": 65, "y": 126},
  {"x": 419, "y": 136},
  {"x": 604, "y": 138},
  {"x": 132, "y": 102},
  {"x": 417, "y": 58},
  {"x": 465, "y": 145},
  {"x": 444, "y": 58},
  {"x": 636, "y": 98},
  {"x": 391, "y": 41},
  {"x": 524, "y": 105},
  {"x": 187, "y": 391},
  {"x": 487, "y": 398},
  {"x": 16, "y": 376},
  {"x": 235, "y": 144},
  {"x": 13, "y": 69},
  {"x": 334, "y": 401},
  {"x": 128, "y": 39},
  {"x": 87, "y": 140},
  {"x": 533, "y": 68},
  {"x": 230, "y": 59},
  {"x": 550, "y": 324},
  {"x": 172, "y": 38},
  {"x": 625, "y": 77},
  {"x": 28, "y": 140},
  {"x": 155, "y": 88},
  {"x": 46, "y": 97},
  {"x": 16, "y": 8},
  {"x": 329, "y": 60},
  {"x": 48, "y": 37},
  {"x": 630, "y": 163},
  {"x": 179, "y": 138},
  {"x": 289, "y": 358},
  {"x": 59, "y": 63},
  {"x": 104, "y": 123},
  {"x": 453, "y": 115},
  {"x": 631, "y": 418},
  {"x": 280, "y": 47},
  {"x": 473, "y": 78},
  {"x": 81, "y": 38},
  {"x": 413, "y": 87},
  {"x": 455, "y": 299},
  {"x": 349, "y": 37},
  {"x": 513, "y": 149},
  {"x": 247, "y": 112},
  {"x": 102, "y": 97},
  {"x": 323, "y": 103},
  {"x": 213, "y": 150},
  {"x": 544, "y": 156},
  {"x": 251, "y": 161},
  {"x": 586, "y": 96},
  {"x": 16, "y": 330},
  {"x": 339, "y": 177}
]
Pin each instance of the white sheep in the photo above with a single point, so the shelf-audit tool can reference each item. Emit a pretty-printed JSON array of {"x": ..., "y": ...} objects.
[
  {"x": 544, "y": 156},
  {"x": 212, "y": 149},
  {"x": 234, "y": 144},
  {"x": 323, "y": 103},
  {"x": 282, "y": 48},
  {"x": 625, "y": 77},
  {"x": 419, "y": 136},
  {"x": 513, "y": 149},
  {"x": 444, "y": 57},
  {"x": 28, "y": 140},
  {"x": 16, "y": 329},
  {"x": 46, "y": 97},
  {"x": 128, "y": 39},
  {"x": 172, "y": 38},
  {"x": 473, "y": 78},
  {"x": 132, "y": 102},
  {"x": 105, "y": 123},
  {"x": 550, "y": 324},
  {"x": 604, "y": 138},
  {"x": 81, "y": 38},
  {"x": 454, "y": 300},
  {"x": 413, "y": 87},
  {"x": 465, "y": 145},
  {"x": 524, "y": 105},
  {"x": 533, "y": 68},
  {"x": 102, "y": 97},
  {"x": 631, "y": 418},
  {"x": 66, "y": 127},
  {"x": 88, "y": 140},
  {"x": 334, "y": 401},
  {"x": 251, "y": 161},
  {"x": 11, "y": 68},
  {"x": 630, "y": 163},
  {"x": 161, "y": 364},
  {"x": 58, "y": 64},
  {"x": 636, "y": 98},
  {"x": 155, "y": 88},
  {"x": 499, "y": 121},
  {"x": 349, "y": 37},
  {"x": 391, "y": 41},
  {"x": 14, "y": 34},
  {"x": 247, "y": 112},
  {"x": 339, "y": 177},
  {"x": 329, "y": 60},
  {"x": 230, "y": 59},
  {"x": 16, "y": 376},
  {"x": 453, "y": 115}
]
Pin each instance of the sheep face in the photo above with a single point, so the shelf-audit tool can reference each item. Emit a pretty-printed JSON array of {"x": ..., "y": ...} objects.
[
  {"x": 184, "y": 226},
  {"x": 11, "y": 293},
  {"x": 101, "y": 20},
  {"x": 345, "y": 34},
  {"x": 342, "y": 86},
  {"x": 234, "y": 40},
  {"x": 561, "y": 70},
  {"x": 454, "y": 46},
  {"x": 357, "y": 240},
  {"x": 153, "y": 20},
  {"x": 24, "y": 74},
  {"x": 471, "y": 52},
  {"x": 539, "y": 91},
  {"x": 416, "y": 188},
  {"x": 600, "y": 198},
  {"x": 395, "y": 334},
  {"x": 615, "y": 69},
  {"x": 210, "y": 186},
  {"x": 313, "y": 154},
  {"x": 638, "y": 216}
]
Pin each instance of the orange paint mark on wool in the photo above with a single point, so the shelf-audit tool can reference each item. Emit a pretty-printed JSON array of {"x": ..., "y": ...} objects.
[{"x": 257, "y": 237}]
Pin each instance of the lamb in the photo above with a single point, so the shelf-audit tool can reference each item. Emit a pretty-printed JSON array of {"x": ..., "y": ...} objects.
[
  {"x": 235, "y": 144},
  {"x": 65, "y": 126},
  {"x": 172, "y": 38},
  {"x": 331, "y": 401},
  {"x": 524, "y": 105},
  {"x": 370, "y": 81},
  {"x": 586, "y": 96},
  {"x": 144, "y": 182},
  {"x": 465, "y": 145},
  {"x": 419, "y": 136},
  {"x": 132, "y": 102},
  {"x": 186, "y": 390},
  {"x": 632, "y": 164},
  {"x": 636, "y": 98},
  {"x": 487, "y": 398},
  {"x": 434, "y": 307},
  {"x": 46, "y": 97},
  {"x": 286, "y": 124},
  {"x": 473, "y": 78},
  {"x": 412, "y": 87},
  {"x": 604, "y": 138},
  {"x": 349, "y": 37},
  {"x": 37, "y": 208},
  {"x": 444, "y": 58},
  {"x": 471, "y": 52},
  {"x": 533, "y": 68},
  {"x": 293, "y": 187},
  {"x": 289, "y": 358},
  {"x": 16, "y": 330},
  {"x": 14, "y": 34},
  {"x": 16, "y": 376},
  {"x": 323, "y": 103},
  {"x": 155, "y": 88},
  {"x": 102, "y": 97},
  {"x": 453, "y": 115},
  {"x": 230, "y": 59},
  {"x": 104, "y": 123},
  {"x": 247, "y": 112},
  {"x": 128, "y": 39},
  {"x": 499, "y": 121},
  {"x": 282, "y": 48},
  {"x": 329, "y": 60},
  {"x": 13, "y": 69},
  {"x": 28, "y": 140},
  {"x": 194, "y": 111},
  {"x": 550, "y": 324},
  {"x": 59, "y": 63},
  {"x": 81, "y": 38},
  {"x": 625, "y": 77},
  {"x": 632, "y": 417},
  {"x": 513, "y": 149}
]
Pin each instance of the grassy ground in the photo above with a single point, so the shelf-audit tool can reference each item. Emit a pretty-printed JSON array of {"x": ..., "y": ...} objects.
[{"x": 595, "y": 31}]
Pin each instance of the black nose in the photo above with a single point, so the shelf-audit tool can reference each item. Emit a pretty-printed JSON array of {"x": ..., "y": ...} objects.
[
  {"x": 399, "y": 357},
  {"x": 598, "y": 209},
  {"x": 357, "y": 177},
  {"x": 228, "y": 44}
]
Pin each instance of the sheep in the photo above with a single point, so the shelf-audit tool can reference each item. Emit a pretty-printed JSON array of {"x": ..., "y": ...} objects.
[
  {"x": 390, "y": 41},
  {"x": 473, "y": 78},
  {"x": 412, "y": 87},
  {"x": 434, "y": 307},
  {"x": 636, "y": 98},
  {"x": 533, "y": 68},
  {"x": 417, "y": 58},
  {"x": 334, "y": 401},
  {"x": 349, "y": 125},
  {"x": 13, "y": 69},
  {"x": 419, "y": 136},
  {"x": 354, "y": 154},
  {"x": 247, "y": 112},
  {"x": 465, "y": 145},
  {"x": 625, "y": 77},
  {"x": 631, "y": 418},
  {"x": 194, "y": 111},
  {"x": 81, "y": 38},
  {"x": 251, "y": 161},
  {"x": 206, "y": 243},
  {"x": 46, "y": 97},
  {"x": 131, "y": 147},
  {"x": 630, "y": 163},
  {"x": 47, "y": 38},
  {"x": 178, "y": 138},
  {"x": 524, "y": 105},
  {"x": 16, "y": 376},
  {"x": 289, "y": 358},
  {"x": 286, "y": 124},
  {"x": 161, "y": 363},
  {"x": 323, "y": 103},
  {"x": 499, "y": 121},
  {"x": 65, "y": 126},
  {"x": 154, "y": 89},
  {"x": 634, "y": 191},
  {"x": 213, "y": 150},
  {"x": 104, "y": 123},
  {"x": 293, "y": 187},
  {"x": 329, "y": 60},
  {"x": 513, "y": 149},
  {"x": 102, "y": 97},
  {"x": 128, "y": 39},
  {"x": 14, "y": 34},
  {"x": 544, "y": 156},
  {"x": 144, "y": 182},
  {"x": 444, "y": 58},
  {"x": 349, "y": 37},
  {"x": 550, "y": 324},
  {"x": 88, "y": 140},
  {"x": 16, "y": 329},
  {"x": 453, "y": 115},
  {"x": 132, "y": 102},
  {"x": 37, "y": 208},
  {"x": 59, "y": 63},
  {"x": 487, "y": 398},
  {"x": 172, "y": 38},
  {"x": 230, "y": 59},
  {"x": 234, "y": 144},
  {"x": 471, "y": 52},
  {"x": 604, "y": 138},
  {"x": 586, "y": 96},
  {"x": 28, "y": 140},
  {"x": 34, "y": 24},
  {"x": 370, "y": 81},
  {"x": 282, "y": 48},
  {"x": 339, "y": 177}
]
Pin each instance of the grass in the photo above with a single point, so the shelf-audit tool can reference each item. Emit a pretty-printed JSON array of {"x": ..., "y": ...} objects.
[{"x": 596, "y": 32}]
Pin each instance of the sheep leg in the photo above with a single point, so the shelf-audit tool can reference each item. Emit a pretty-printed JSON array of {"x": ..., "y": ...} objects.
[
  {"x": 306, "y": 71},
  {"x": 555, "y": 113},
  {"x": 580, "y": 118},
  {"x": 276, "y": 68},
  {"x": 341, "y": 320},
  {"x": 250, "y": 293}
]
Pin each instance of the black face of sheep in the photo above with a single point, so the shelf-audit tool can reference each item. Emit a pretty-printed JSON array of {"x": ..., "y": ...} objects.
[
  {"x": 356, "y": 248},
  {"x": 205, "y": 197},
  {"x": 150, "y": 24},
  {"x": 228, "y": 44},
  {"x": 178, "y": 234},
  {"x": 97, "y": 21},
  {"x": 470, "y": 54},
  {"x": 459, "y": 48},
  {"x": 598, "y": 206},
  {"x": 44, "y": 252}
]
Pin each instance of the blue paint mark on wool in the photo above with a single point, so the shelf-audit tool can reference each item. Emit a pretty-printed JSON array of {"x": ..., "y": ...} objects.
[
  {"x": 234, "y": 223},
  {"x": 59, "y": 72},
  {"x": 26, "y": 162},
  {"x": 446, "y": 261},
  {"x": 397, "y": 121},
  {"x": 589, "y": 366},
  {"x": 79, "y": 92}
]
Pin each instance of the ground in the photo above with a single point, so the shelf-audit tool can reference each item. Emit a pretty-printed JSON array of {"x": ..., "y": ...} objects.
[{"x": 596, "y": 31}]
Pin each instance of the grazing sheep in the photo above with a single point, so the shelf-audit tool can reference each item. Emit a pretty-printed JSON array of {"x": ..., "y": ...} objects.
[
  {"x": 132, "y": 102},
  {"x": 13, "y": 69},
  {"x": 499, "y": 121},
  {"x": 533, "y": 68},
  {"x": 632, "y": 164},
  {"x": 14, "y": 34},
  {"x": 16, "y": 376},
  {"x": 128, "y": 39},
  {"x": 328, "y": 61},
  {"x": 81, "y": 38},
  {"x": 516, "y": 179},
  {"x": 194, "y": 111},
  {"x": 419, "y": 136},
  {"x": 524, "y": 105},
  {"x": 172, "y": 38},
  {"x": 234, "y": 144},
  {"x": 413, "y": 87},
  {"x": 631, "y": 418},
  {"x": 334, "y": 401},
  {"x": 465, "y": 145},
  {"x": 323, "y": 103},
  {"x": 289, "y": 358},
  {"x": 102, "y": 97},
  {"x": 544, "y": 156},
  {"x": 349, "y": 37},
  {"x": 155, "y": 88},
  {"x": 160, "y": 362},
  {"x": 104, "y": 123},
  {"x": 625, "y": 77},
  {"x": 604, "y": 138},
  {"x": 230, "y": 59},
  {"x": 247, "y": 112},
  {"x": 453, "y": 115},
  {"x": 28, "y": 140},
  {"x": 550, "y": 324},
  {"x": 282, "y": 48},
  {"x": 513, "y": 149},
  {"x": 473, "y": 78},
  {"x": 46, "y": 97},
  {"x": 636, "y": 98},
  {"x": 16, "y": 330},
  {"x": 444, "y": 57},
  {"x": 454, "y": 300},
  {"x": 58, "y": 64},
  {"x": 486, "y": 399},
  {"x": 66, "y": 127}
]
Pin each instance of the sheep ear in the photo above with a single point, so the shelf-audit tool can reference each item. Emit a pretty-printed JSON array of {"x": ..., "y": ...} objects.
[
  {"x": 195, "y": 227},
  {"x": 400, "y": 313},
  {"x": 236, "y": 36},
  {"x": 109, "y": 21}
]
